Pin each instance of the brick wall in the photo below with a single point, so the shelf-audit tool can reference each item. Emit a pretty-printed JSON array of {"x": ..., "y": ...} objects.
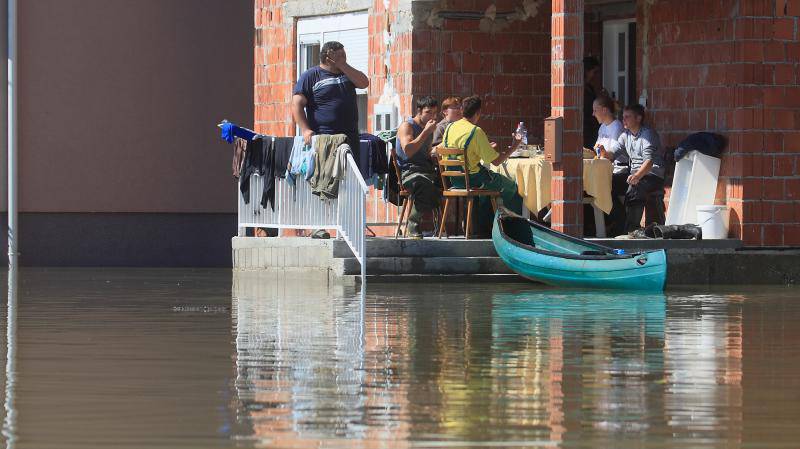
[
  {"x": 275, "y": 68},
  {"x": 731, "y": 67},
  {"x": 567, "y": 102},
  {"x": 509, "y": 68}
]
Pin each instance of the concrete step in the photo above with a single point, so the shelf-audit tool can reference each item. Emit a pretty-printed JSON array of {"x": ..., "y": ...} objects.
[
  {"x": 458, "y": 247},
  {"x": 421, "y": 266},
  {"x": 429, "y": 247}
]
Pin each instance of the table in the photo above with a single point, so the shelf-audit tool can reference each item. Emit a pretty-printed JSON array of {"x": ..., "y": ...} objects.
[{"x": 533, "y": 176}]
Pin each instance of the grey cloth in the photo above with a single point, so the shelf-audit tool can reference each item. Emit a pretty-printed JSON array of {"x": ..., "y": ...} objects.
[
  {"x": 642, "y": 146},
  {"x": 438, "y": 133},
  {"x": 325, "y": 183}
]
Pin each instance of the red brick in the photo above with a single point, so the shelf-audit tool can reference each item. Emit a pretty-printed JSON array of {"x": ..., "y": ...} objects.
[
  {"x": 773, "y": 235},
  {"x": 793, "y": 189},
  {"x": 792, "y": 8},
  {"x": 783, "y": 166},
  {"x": 773, "y": 189},
  {"x": 785, "y": 212},
  {"x": 791, "y": 235},
  {"x": 753, "y": 188},
  {"x": 752, "y": 234},
  {"x": 791, "y": 142},
  {"x": 784, "y": 29}
]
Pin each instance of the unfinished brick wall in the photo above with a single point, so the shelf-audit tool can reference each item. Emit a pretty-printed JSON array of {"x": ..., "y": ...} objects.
[
  {"x": 731, "y": 67},
  {"x": 275, "y": 69},
  {"x": 509, "y": 67},
  {"x": 398, "y": 50}
]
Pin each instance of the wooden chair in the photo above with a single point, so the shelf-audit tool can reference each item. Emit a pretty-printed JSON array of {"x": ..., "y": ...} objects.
[
  {"x": 408, "y": 201},
  {"x": 453, "y": 162}
]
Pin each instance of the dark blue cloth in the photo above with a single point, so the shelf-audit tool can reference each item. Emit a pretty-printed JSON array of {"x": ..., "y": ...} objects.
[
  {"x": 331, "y": 105},
  {"x": 372, "y": 158},
  {"x": 707, "y": 143}
]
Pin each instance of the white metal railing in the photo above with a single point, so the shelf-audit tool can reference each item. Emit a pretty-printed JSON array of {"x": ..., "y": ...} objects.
[{"x": 297, "y": 208}]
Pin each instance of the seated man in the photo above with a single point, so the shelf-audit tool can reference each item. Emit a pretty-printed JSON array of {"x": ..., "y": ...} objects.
[
  {"x": 417, "y": 170},
  {"x": 467, "y": 135},
  {"x": 646, "y": 181},
  {"x": 451, "y": 109}
]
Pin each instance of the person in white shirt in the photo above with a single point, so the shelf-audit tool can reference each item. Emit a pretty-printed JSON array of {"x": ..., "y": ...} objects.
[{"x": 604, "y": 110}]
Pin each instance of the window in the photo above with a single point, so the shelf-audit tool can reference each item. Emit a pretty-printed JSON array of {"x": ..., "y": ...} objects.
[{"x": 349, "y": 29}]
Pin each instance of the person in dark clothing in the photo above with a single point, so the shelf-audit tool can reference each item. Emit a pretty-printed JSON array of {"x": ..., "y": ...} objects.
[
  {"x": 324, "y": 99},
  {"x": 591, "y": 68},
  {"x": 646, "y": 179},
  {"x": 417, "y": 170}
]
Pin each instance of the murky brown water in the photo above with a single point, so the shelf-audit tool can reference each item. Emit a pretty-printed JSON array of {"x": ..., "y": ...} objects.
[{"x": 188, "y": 358}]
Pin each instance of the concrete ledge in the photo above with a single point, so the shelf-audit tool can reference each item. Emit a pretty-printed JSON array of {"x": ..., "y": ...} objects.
[
  {"x": 648, "y": 244},
  {"x": 423, "y": 266},
  {"x": 267, "y": 253},
  {"x": 429, "y": 247}
]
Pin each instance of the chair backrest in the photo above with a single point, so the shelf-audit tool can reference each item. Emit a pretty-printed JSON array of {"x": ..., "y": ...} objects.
[
  {"x": 452, "y": 162},
  {"x": 393, "y": 162},
  {"x": 450, "y": 159}
]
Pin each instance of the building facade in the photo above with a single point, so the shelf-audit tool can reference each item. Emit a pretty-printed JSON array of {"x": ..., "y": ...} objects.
[
  {"x": 723, "y": 66},
  {"x": 120, "y": 161}
]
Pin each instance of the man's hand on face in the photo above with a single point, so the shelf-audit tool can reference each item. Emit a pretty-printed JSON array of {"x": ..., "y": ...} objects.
[
  {"x": 338, "y": 58},
  {"x": 430, "y": 126},
  {"x": 307, "y": 134}
]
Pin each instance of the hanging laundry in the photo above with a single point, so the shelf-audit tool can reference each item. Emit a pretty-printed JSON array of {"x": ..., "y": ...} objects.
[
  {"x": 259, "y": 160},
  {"x": 283, "y": 152},
  {"x": 239, "y": 146},
  {"x": 325, "y": 161},
  {"x": 376, "y": 161},
  {"x": 301, "y": 161}
]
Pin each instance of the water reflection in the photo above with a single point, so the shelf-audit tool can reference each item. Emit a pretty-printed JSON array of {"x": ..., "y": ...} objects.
[{"x": 10, "y": 413}]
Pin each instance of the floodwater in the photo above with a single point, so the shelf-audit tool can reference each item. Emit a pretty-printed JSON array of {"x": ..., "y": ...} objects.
[{"x": 203, "y": 358}]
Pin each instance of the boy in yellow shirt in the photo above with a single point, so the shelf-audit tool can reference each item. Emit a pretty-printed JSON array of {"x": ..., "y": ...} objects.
[{"x": 466, "y": 134}]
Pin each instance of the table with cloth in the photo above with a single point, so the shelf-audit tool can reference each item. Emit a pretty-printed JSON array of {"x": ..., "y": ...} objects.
[{"x": 533, "y": 175}]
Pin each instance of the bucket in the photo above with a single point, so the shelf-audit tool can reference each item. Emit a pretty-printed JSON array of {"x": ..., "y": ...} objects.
[{"x": 714, "y": 221}]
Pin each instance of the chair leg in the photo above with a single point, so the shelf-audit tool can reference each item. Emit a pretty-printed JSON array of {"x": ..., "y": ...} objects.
[
  {"x": 469, "y": 218},
  {"x": 400, "y": 219},
  {"x": 408, "y": 214},
  {"x": 444, "y": 216}
]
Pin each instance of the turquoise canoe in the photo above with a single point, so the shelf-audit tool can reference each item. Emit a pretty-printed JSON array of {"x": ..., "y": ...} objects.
[{"x": 541, "y": 254}]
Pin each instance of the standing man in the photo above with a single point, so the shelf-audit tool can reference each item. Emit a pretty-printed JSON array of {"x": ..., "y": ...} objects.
[
  {"x": 417, "y": 170},
  {"x": 591, "y": 68},
  {"x": 324, "y": 100},
  {"x": 646, "y": 181}
]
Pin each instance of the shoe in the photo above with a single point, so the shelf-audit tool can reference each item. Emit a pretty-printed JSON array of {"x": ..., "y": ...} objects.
[
  {"x": 321, "y": 234},
  {"x": 679, "y": 232},
  {"x": 415, "y": 236}
]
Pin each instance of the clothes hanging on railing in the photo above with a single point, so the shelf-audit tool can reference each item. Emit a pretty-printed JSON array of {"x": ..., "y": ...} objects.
[
  {"x": 239, "y": 146},
  {"x": 259, "y": 160},
  {"x": 283, "y": 152},
  {"x": 231, "y": 131},
  {"x": 323, "y": 183},
  {"x": 373, "y": 160},
  {"x": 301, "y": 160}
]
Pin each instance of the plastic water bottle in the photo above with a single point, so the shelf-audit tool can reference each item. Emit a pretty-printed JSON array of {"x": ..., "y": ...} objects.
[{"x": 522, "y": 133}]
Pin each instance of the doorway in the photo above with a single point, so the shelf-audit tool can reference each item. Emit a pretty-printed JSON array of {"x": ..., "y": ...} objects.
[{"x": 619, "y": 60}]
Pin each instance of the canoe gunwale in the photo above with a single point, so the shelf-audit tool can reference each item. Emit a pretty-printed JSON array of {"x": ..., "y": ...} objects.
[{"x": 503, "y": 213}]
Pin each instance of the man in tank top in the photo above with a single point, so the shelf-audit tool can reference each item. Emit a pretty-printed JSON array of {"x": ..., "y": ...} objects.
[{"x": 417, "y": 169}]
